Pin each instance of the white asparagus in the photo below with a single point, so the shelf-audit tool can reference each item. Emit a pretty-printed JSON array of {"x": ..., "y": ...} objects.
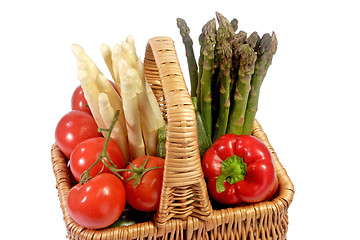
[
  {"x": 116, "y": 55},
  {"x": 81, "y": 56},
  {"x": 128, "y": 54},
  {"x": 149, "y": 125},
  {"x": 117, "y": 134},
  {"x": 106, "y": 54},
  {"x": 152, "y": 99},
  {"x": 130, "y": 40},
  {"x": 132, "y": 115},
  {"x": 91, "y": 93},
  {"x": 114, "y": 99}
]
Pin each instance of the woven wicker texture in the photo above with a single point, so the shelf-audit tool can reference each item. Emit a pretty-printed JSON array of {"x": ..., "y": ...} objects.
[{"x": 185, "y": 211}]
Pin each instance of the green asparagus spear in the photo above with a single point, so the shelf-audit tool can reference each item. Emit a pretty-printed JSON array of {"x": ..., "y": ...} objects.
[
  {"x": 266, "y": 51},
  {"x": 242, "y": 89},
  {"x": 207, "y": 72},
  {"x": 192, "y": 65},
  {"x": 224, "y": 80},
  {"x": 237, "y": 40},
  {"x": 234, "y": 24},
  {"x": 224, "y": 22},
  {"x": 253, "y": 40}
]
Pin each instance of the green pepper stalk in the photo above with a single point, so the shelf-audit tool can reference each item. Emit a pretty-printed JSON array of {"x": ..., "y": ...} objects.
[
  {"x": 224, "y": 90},
  {"x": 242, "y": 89},
  {"x": 192, "y": 65},
  {"x": 266, "y": 51},
  {"x": 207, "y": 72}
]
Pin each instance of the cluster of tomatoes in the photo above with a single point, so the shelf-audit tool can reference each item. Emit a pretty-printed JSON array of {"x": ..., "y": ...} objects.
[{"x": 100, "y": 201}]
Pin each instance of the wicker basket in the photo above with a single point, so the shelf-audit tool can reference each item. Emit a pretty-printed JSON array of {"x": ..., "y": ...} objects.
[{"x": 185, "y": 211}]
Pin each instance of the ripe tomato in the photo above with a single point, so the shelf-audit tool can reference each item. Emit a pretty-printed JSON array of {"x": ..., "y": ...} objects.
[
  {"x": 88, "y": 151},
  {"x": 73, "y": 128},
  {"x": 78, "y": 100},
  {"x": 98, "y": 203},
  {"x": 144, "y": 197}
]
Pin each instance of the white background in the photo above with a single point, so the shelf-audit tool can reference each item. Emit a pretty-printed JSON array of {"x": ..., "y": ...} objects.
[{"x": 309, "y": 102}]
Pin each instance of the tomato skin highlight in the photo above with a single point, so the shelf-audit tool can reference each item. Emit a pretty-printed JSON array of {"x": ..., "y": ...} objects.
[
  {"x": 98, "y": 203},
  {"x": 146, "y": 196},
  {"x": 88, "y": 151}
]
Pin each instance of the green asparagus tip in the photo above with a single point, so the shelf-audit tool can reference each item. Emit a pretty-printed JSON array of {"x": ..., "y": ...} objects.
[
  {"x": 253, "y": 40},
  {"x": 184, "y": 29}
]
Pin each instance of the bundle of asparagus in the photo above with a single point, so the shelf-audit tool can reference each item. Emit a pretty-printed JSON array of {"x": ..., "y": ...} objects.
[
  {"x": 229, "y": 73},
  {"x": 140, "y": 117}
]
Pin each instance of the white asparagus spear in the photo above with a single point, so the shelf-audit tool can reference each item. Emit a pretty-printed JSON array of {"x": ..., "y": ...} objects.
[
  {"x": 114, "y": 99},
  {"x": 106, "y": 54},
  {"x": 81, "y": 56},
  {"x": 132, "y": 115},
  {"x": 117, "y": 134},
  {"x": 91, "y": 93},
  {"x": 129, "y": 54},
  {"x": 148, "y": 122},
  {"x": 150, "y": 94},
  {"x": 116, "y": 54}
]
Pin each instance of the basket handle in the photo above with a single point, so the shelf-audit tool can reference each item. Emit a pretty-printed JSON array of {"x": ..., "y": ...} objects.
[{"x": 184, "y": 191}]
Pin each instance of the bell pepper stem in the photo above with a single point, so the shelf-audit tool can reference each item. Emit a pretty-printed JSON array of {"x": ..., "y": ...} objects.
[{"x": 233, "y": 170}]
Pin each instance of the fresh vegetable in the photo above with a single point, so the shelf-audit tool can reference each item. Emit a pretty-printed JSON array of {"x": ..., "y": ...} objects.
[
  {"x": 242, "y": 89},
  {"x": 93, "y": 82},
  {"x": 231, "y": 67},
  {"x": 98, "y": 203},
  {"x": 87, "y": 152},
  {"x": 143, "y": 182},
  {"x": 238, "y": 169},
  {"x": 205, "y": 97},
  {"x": 161, "y": 150},
  {"x": 78, "y": 101},
  {"x": 266, "y": 51},
  {"x": 131, "y": 110},
  {"x": 73, "y": 128},
  {"x": 140, "y": 116},
  {"x": 192, "y": 65},
  {"x": 204, "y": 140}
]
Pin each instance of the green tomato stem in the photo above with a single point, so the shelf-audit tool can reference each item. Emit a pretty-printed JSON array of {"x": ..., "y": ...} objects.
[
  {"x": 138, "y": 172},
  {"x": 85, "y": 176}
]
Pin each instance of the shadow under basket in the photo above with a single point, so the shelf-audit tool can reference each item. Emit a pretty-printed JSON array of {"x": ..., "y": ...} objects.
[{"x": 185, "y": 210}]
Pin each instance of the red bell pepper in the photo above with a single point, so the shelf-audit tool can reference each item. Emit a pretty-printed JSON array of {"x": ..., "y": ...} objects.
[{"x": 239, "y": 168}]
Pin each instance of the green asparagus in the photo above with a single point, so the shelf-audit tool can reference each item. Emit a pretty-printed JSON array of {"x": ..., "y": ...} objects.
[
  {"x": 242, "y": 89},
  {"x": 224, "y": 80},
  {"x": 206, "y": 77},
  {"x": 266, "y": 51},
  {"x": 192, "y": 65},
  {"x": 253, "y": 40}
]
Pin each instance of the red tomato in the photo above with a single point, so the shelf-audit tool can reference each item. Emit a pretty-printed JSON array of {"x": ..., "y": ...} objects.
[
  {"x": 98, "y": 203},
  {"x": 73, "y": 128},
  {"x": 145, "y": 197},
  {"x": 78, "y": 100},
  {"x": 88, "y": 151}
]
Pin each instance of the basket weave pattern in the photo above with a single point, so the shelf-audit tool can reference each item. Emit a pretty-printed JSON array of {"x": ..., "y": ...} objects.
[{"x": 185, "y": 211}]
